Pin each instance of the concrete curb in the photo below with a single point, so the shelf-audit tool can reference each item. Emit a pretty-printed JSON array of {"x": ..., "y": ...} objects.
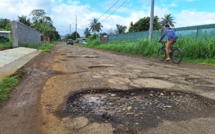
[{"x": 13, "y": 59}]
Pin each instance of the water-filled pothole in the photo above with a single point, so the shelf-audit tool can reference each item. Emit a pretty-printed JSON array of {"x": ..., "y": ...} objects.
[{"x": 138, "y": 109}]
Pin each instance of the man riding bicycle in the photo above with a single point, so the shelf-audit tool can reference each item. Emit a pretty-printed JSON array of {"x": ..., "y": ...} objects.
[{"x": 172, "y": 37}]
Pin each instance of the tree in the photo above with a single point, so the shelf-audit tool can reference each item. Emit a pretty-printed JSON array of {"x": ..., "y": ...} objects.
[
  {"x": 54, "y": 35},
  {"x": 68, "y": 36},
  {"x": 120, "y": 29},
  {"x": 37, "y": 14},
  {"x": 24, "y": 20},
  {"x": 131, "y": 28},
  {"x": 143, "y": 24},
  {"x": 167, "y": 19},
  {"x": 41, "y": 22},
  {"x": 95, "y": 26},
  {"x": 74, "y": 35},
  {"x": 87, "y": 32},
  {"x": 5, "y": 24}
]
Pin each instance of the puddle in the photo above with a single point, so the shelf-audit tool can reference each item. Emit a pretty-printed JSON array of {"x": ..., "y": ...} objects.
[
  {"x": 97, "y": 99},
  {"x": 138, "y": 109}
]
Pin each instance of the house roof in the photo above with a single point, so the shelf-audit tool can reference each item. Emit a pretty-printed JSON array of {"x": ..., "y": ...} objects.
[{"x": 5, "y": 32}]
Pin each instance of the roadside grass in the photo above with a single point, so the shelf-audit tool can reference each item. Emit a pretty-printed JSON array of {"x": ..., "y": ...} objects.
[
  {"x": 195, "y": 51},
  {"x": 209, "y": 62},
  {"x": 45, "y": 47},
  {"x": 5, "y": 45},
  {"x": 6, "y": 85}
]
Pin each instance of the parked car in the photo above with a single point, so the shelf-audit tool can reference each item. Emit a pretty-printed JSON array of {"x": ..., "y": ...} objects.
[{"x": 70, "y": 41}]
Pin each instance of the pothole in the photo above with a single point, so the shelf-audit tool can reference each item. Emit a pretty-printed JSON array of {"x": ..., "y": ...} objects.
[
  {"x": 73, "y": 56},
  {"x": 197, "y": 81},
  {"x": 91, "y": 56},
  {"x": 138, "y": 109},
  {"x": 63, "y": 59},
  {"x": 92, "y": 67}
]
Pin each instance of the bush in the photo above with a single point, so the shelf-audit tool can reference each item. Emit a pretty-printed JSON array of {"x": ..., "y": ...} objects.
[{"x": 92, "y": 37}]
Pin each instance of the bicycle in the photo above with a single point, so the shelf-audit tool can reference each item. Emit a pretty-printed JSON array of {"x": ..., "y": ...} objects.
[{"x": 175, "y": 53}]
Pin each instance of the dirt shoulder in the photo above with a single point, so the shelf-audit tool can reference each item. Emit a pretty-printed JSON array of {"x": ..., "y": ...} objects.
[{"x": 19, "y": 114}]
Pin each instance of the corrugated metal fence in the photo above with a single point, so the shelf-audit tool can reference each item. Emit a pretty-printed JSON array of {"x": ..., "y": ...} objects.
[{"x": 200, "y": 31}]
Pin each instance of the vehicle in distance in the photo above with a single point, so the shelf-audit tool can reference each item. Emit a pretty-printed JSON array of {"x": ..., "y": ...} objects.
[{"x": 69, "y": 42}]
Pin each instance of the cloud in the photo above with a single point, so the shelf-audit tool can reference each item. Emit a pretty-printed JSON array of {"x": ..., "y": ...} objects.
[{"x": 191, "y": 18}]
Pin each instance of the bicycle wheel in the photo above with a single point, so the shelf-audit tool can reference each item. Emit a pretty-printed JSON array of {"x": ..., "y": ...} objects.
[
  {"x": 161, "y": 54},
  {"x": 176, "y": 55}
]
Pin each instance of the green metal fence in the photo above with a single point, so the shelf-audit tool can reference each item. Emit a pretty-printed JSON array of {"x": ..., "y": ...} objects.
[{"x": 200, "y": 31}]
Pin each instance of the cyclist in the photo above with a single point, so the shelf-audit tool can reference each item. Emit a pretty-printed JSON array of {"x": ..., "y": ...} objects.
[{"x": 172, "y": 37}]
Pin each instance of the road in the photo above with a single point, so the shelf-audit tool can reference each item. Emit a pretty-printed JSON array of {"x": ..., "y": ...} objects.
[{"x": 85, "y": 91}]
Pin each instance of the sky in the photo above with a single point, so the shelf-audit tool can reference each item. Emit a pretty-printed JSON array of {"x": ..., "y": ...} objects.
[{"x": 110, "y": 12}]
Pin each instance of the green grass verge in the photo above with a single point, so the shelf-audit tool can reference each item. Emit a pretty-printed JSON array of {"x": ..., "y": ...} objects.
[
  {"x": 45, "y": 47},
  {"x": 5, "y": 45},
  {"x": 6, "y": 85},
  {"x": 195, "y": 51}
]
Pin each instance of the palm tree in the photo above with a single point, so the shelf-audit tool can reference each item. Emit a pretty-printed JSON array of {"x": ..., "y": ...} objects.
[
  {"x": 23, "y": 19},
  {"x": 95, "y": 26},
  {"x": 168, "y": 19},
  {"x": 44, "y": 28},
  {"x": 44, "y": 25},
  {"x": 120, "y": 29},
  {"x": 87, "y": 32}
]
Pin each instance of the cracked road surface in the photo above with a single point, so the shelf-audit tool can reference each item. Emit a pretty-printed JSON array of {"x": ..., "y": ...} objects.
[{"x": 76, "y": 90}]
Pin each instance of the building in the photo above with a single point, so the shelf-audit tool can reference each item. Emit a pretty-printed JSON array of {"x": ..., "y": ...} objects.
[{"x": 5, "y": 34}]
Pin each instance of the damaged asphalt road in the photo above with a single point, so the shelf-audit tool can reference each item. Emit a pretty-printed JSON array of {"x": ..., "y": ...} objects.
[{"x": 88, "y": 91}]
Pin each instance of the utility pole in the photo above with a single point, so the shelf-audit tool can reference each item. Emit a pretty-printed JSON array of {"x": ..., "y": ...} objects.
[
  {"x": 70, "y": 30},
  {"x": 76, "y": 28},
  {"x": 151, "y": 20}
]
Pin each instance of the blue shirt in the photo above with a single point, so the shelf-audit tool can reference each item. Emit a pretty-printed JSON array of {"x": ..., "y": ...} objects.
[{"x": 170, "y": 33}]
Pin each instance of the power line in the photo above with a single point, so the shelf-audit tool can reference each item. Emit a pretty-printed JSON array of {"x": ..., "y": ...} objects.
[
  {"x": 108, "y": 9},
  {"x": 115, "y": 10},
  {"x": 96, "y": 4}
]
